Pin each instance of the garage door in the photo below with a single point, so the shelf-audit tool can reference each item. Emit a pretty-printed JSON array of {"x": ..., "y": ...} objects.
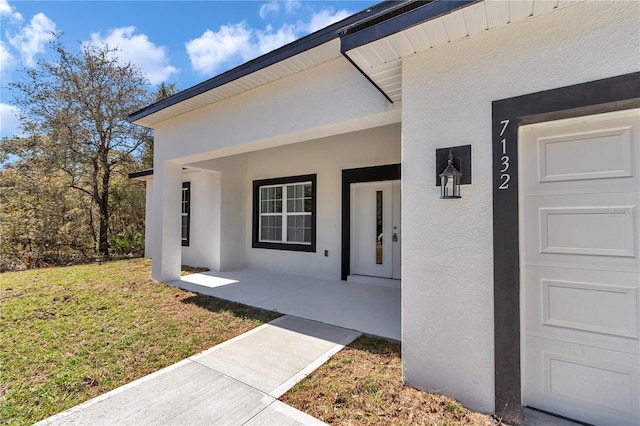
[{"x": 579, "y": 232}]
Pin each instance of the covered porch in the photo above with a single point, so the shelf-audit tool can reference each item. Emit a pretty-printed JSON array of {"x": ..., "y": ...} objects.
[{"x": 370, "y": 309}]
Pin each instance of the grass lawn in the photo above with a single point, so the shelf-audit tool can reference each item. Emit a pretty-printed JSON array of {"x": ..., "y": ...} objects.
[
  {"x": 70, "y": 334},
  {"x": 362, "y": 385}
]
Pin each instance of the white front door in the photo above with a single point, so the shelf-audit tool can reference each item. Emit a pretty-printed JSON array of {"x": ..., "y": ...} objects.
[
  {"x": 580, "y": 264},
  {"x": 375, "y": 229}
]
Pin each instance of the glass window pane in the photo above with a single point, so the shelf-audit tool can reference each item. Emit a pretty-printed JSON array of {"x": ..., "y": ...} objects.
[
  {"x": 277, "y": 228},
  {"x": 379, "y": 235},
  {"x": 299, "y": 228},
  {"x": 185, "y": 227},
  {"x": 272, "y": 208},
  {"x": 271, "y": 228}
]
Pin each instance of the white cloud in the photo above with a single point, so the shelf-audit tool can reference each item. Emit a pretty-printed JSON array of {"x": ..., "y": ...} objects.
[
  {"x": 6, "y": 59},
  {"x": 140, "y": 51},
  {"x": 268, "y": 8},
  {"x": 274, "y": 7},
  {"x": 291, "y": 5},
  {"x": 9, "y": 11},
  {"x": 324, "y": 18},
  {"x": 268, "y": 40},
  {"x": 233, "y": 44},
  {"x": 213, "y": 49},
  {"x": 32, "y": 38},
  {"x": 9, "y": 123}
]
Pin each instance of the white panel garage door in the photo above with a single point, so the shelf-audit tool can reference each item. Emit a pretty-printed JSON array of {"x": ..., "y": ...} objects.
[{"x": 580, "y": 245}]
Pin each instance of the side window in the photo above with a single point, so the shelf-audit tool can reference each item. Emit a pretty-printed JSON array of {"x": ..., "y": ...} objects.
[
  {"x": 284, "y": 213},
  {"x": 186, "y": 212}
]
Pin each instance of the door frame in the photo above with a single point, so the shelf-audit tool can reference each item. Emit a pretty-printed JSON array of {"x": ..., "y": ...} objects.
[
  {"x": 359, "y": 175},
  {"x": 606, "y": 95}
]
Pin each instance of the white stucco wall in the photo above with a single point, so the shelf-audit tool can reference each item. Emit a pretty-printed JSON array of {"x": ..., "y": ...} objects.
[
  {"x": 329, "y": 99},
  {"x": 332, "y": 98},
  {"x": 326, "y": 157},
  {"x": 203, "y": 249},
  {"x": 148, "y": 217},
  {"x": 205, "y": 216},
  {"x": 447, "y": 295}
]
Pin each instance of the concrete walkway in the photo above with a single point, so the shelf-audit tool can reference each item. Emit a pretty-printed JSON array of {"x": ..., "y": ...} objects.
[
  {"x": 234, "y": 383},
  {"x": 238, "y": 381}
]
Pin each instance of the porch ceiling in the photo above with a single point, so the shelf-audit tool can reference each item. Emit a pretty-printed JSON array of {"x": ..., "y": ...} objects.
[{"x": 381, "y": 60}]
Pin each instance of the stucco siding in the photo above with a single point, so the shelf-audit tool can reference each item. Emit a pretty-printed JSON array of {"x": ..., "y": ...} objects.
[
  {"x": 204, "y": 225},
  {"x": 326, "y": 158},
  {"x": 315, "y": 103},
  {"x": 148, "y": 215},
  {"x": 447, "y": 294}
]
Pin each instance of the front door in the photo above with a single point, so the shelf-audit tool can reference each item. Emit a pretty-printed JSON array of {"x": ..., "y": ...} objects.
[
  {"x": 375, "y": 229},
  {"x": 580, "y": 261}
]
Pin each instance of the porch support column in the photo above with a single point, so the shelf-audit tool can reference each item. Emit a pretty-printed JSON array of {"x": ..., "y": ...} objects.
[{"x": 166, "y": 251}]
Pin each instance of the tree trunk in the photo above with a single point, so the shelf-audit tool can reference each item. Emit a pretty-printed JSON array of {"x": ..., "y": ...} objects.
[{"x": 103, "y": 240}]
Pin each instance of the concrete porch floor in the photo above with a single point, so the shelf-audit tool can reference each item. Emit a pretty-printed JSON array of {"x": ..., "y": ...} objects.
[{"x": 368, "y": 308}]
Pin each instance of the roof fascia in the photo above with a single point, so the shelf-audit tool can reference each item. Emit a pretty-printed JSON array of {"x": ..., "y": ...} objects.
[
  {"x": 376, "y": 28},
  {"x": 141, "y": 174},
  {"x": 294, "y": 48},
  {"x": 365, "y": 75}
]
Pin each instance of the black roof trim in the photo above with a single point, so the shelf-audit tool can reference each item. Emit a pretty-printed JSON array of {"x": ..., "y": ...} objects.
[
  {"x": 141, "y": 173},
  {"x": 294, "y": 48},
  {"x": 402, "y": 7},
  {"x": 396, "y": 20},
  {"x": 365, "y": 75}
]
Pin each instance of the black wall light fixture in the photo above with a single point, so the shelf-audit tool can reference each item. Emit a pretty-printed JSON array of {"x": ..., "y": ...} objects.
[{"x": 453, "y": 168}]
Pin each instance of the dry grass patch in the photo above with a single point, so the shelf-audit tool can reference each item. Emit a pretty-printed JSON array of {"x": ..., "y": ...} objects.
[
  {"x": 70, "y": 334},
  {"x": 362, "y": 385}
]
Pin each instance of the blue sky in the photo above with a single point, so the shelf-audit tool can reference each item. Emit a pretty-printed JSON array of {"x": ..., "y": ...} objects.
[{"x": 181, "y": 42}]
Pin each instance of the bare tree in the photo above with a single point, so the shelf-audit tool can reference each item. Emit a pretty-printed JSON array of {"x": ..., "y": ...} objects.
[{"x": 74, "y": 110}]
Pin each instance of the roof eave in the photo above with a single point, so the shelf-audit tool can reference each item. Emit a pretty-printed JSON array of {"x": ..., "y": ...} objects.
[
  {"x": 141, "y": 175},
  {"x": 294, "y": 48},
  {"x": 388, "y": 23}
]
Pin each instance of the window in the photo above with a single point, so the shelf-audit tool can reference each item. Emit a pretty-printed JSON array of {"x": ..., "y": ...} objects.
[
  {"x": 186, "y": 212},
  {"x": 284, "y": 213}
]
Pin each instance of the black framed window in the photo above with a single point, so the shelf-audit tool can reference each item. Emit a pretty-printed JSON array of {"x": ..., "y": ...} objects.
[
  {"x": 186, "y": 212},
  {"x": 284, "y": 213}
]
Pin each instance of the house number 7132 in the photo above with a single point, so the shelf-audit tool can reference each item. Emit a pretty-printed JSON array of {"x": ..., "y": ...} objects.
[{"x": 505, "y": 177}]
